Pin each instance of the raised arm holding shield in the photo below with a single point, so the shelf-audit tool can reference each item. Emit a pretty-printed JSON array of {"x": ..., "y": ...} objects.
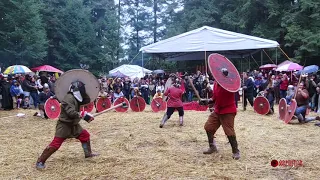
[{"x": 227, "y": 82}]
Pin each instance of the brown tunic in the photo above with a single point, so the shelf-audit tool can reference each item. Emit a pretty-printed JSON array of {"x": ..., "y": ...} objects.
[
  {"x": 301, "y": 101},
  {"x": 68, "y": 124}
]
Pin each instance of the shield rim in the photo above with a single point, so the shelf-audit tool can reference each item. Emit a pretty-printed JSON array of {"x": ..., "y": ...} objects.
[
  {"x": 128, "y": 104},
  {"x": 87, "y": 104},
  {"x": 59, "y": 107},
  {"x": 289, "y": 117},
  {"x": 163, "y": 102},
  {"x": 265, "y": 99},
  {"x": 101, "y": 100},
  {"x": 239, "y": 77},
  {"x": 285, "y": 110},
  {"x": 62, "y": 91},
  {"x": 138, "y": 97}
]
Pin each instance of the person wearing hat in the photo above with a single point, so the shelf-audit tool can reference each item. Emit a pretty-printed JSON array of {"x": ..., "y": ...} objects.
[
  {"x": 7, "y": 101},
  {"x": 43, "y": 97},
  {"x": 174, "y": 103},
  {"x": 16, "y": 92},
  {"x": 68, "y": 125}
]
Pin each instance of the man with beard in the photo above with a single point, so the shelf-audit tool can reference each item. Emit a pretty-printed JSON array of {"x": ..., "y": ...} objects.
[
  {"x": 68, "y": 124},
  {"x": 7, "y": 101}
]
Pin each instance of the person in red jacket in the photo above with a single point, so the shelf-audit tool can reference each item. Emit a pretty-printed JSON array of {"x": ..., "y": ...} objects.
[
  {"x": 174, "y": 103},
  {"x": 223, "y": 114},
  {"x": 284, "y": 83}
]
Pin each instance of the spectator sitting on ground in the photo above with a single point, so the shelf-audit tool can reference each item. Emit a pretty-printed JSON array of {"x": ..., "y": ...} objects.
[{"x": 158, "y": 94}]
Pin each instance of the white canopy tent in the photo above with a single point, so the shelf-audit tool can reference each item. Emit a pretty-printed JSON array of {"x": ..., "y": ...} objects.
[
  {"x": 131, "y": 71},
  {"x": 198, "y": 44}
]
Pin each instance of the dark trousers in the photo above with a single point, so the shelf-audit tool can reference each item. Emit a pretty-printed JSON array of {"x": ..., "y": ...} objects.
[
  {"x": 35, "y": 97},
  {"x": 248, "y": 97}
]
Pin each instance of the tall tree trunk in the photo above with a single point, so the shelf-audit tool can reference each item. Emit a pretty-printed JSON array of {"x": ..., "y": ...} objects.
[
  {"x": 155, "y": 8},
  {"x": 119, "y": 26},
  {"x": 137, "y": 25}
]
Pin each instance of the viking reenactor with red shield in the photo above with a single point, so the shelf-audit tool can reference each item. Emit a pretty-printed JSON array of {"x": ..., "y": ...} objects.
[
  {"x": 174, "y": 102},
  {"x": 43, "y": 97},
  {"x": 227, "y": 82},
  {"x": 73, "y": 89}
]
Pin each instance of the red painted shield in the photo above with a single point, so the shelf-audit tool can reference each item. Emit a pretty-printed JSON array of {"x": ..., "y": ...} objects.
[
  {"x": 291, "y": 109},
  {"x": 224, "y": 72},
  {"x": 158, "y": 105},
  {"x": 137, "y": 104},
  {"x": 87, "y": 107},
  {"x": 282, "y": 108},
  {"x": 52, "y": 108},
  {"x": 120, "y": 101},
  {"x": 261, "y": 105},
  {"x": 103, "y": 103}
]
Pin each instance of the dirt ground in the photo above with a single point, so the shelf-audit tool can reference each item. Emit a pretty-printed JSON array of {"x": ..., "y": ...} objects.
[{"x": 132, "y": 146}]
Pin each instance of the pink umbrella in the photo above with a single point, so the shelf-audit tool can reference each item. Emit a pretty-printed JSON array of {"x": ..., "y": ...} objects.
[
  {"x": 46, "y": 68},
  {"x": 289, "y": 67},
  {"x": 268, "y": 66}
]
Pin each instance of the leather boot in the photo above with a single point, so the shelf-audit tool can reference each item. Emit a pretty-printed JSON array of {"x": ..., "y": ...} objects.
[
  {"x": 181, "y": 120},
  {"x": 212, "y": 144},
  {"x": 234, "y": 146},
  {"x": 300, "y": 118},
  {"x": 87, "y": 150},
  {"x": 44, "y": 156},
  {"x": 164, "y": 120}
]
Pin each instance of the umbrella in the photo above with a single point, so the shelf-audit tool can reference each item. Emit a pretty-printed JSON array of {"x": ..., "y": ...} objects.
[
  {"x": 47, "y": 68},
  {"x": 309, "y": 69},
  {"x": 289, "y": 67},
  {"x": 158, "y": 71},
  {"x": 17, "y": 69},
  {"x": 268, "y": 66}
]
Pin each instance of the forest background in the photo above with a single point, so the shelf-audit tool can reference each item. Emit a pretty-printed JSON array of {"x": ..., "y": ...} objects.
[{"x": 104, "y": 34}]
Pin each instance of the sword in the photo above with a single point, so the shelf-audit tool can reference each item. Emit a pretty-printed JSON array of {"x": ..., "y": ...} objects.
[
  {"x": 123, "y": 105},
  {"x": 194, "y": 89}
]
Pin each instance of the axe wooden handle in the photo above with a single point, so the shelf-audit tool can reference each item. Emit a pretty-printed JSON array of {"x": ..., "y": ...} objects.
[
  {"x": 104, "y": 111},
  {"x": 194, "y": 89}
]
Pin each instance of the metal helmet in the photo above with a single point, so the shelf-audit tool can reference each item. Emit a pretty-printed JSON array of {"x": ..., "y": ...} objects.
[{"x": 78, "y": 90}]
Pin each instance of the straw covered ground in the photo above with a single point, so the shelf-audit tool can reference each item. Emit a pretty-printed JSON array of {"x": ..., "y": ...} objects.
[{"x": 132, "y": 146}]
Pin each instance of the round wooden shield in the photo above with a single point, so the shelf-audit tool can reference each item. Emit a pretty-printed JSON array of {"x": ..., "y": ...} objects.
[
  {"x": 103, "y": 104},
  {"x": 120, "y": 101},
  {"x": 290, "y": 112},
  {"x": 224, "y": 72},
  {"x": 52, "y": 108},
  {"x": 158, "y": 105},
  {"x": 282, "y": 108},
  {"x": 137, "y": 104},
  {"x": 261, "y": 105},
  {"x": 87, "y": 107},
  {"x": 63, "y": 83}
]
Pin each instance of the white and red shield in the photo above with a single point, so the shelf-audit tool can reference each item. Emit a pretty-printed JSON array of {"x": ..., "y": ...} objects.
[
  {"x": 87, "y": 107},
  {"x": 103, "y": 103},
  {"x": 291, "y": 110},
  {"x": 120, "y": 101},
  {"x": 52, "y": 108},
  {"x": 158, "y": 104},
  {"x": 224, "y": 72},
  {"x": 137, "y": 104},
  {"x": 261, "y": 105},
  {"x": 282, "y": 108}
]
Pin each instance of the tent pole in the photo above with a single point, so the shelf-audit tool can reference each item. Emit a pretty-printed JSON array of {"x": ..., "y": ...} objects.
[
  {"x": 276, "y": 56},
  {"x": 249, "y": 64},
  {"x": 142, "y": 64},
  {"x": 205, "y": 62},
  {"x": 261, "y": 57}
]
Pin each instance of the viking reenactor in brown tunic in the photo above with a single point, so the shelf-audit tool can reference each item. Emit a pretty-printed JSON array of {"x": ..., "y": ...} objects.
[{"x": 68, "y": 124}]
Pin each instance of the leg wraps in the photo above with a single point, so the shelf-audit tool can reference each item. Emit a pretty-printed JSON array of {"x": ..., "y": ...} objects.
[
  {"x": 56, "y": 142},
  {"x": 84, "y": 136}
]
